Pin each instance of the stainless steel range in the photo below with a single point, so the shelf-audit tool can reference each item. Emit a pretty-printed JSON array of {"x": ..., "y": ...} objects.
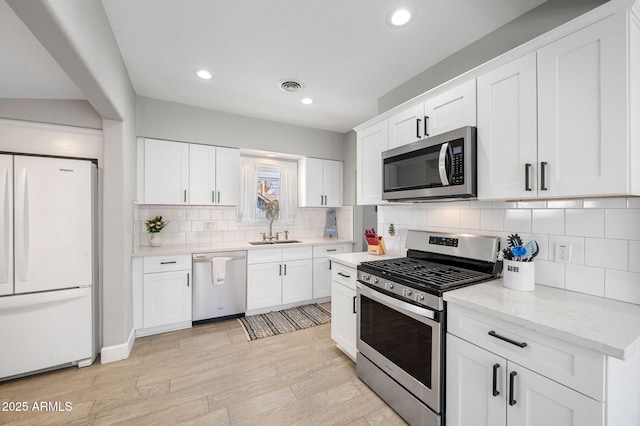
[{"x": 401, "y": 317}]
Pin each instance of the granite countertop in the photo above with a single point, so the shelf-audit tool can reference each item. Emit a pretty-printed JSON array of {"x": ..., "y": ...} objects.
[
  {"x": 603, "y": 325},
  {"x": 172, "y": 249},
  {"x": 352, "y": 260}
]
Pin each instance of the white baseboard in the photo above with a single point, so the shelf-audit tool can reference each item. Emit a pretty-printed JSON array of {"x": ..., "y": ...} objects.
[{"x": 118, "y": 352}]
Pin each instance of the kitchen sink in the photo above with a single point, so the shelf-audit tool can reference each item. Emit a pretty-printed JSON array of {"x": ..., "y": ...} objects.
[{"x": 264, "y": 243}]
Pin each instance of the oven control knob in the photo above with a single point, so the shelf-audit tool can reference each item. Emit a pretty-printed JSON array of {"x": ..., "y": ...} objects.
[
  {"x": 366, "y": 277},
  {"x": 374, "y": 280},
  {"x": 406, "y": 292},
  {"x": 388, "y": 286},
  {"x": 420, "y": 297}
]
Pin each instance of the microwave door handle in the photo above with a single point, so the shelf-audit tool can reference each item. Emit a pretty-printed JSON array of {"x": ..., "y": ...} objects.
[{"x": 442, "y": 164}]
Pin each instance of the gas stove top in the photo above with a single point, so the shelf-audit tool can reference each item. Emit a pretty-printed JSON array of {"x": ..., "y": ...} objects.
[{"x": 435, "y": 263}]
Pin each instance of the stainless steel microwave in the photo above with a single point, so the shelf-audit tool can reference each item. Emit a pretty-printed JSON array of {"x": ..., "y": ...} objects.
[{"x": 440, "y": 167}]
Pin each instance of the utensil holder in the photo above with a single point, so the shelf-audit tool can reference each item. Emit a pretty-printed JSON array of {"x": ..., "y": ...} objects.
[
  {"x": 519, "y": 276},
  {"x": 376, "y": 249}
]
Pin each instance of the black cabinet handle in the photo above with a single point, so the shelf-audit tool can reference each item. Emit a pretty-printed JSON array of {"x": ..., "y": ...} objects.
[
  {"x": 188, "y": 279},
  {"x": 213, "y": 196},
  {"x": 332, "y": 249},
  {"x": 280, "y": 270},
  {"x": 343, "y": 275},
  {"x": 543, "y": 174},
  {"x": 426, "y": 126},
  {"x": 354, "y": 304},
  {"x": 285, "y": 269},
  {"x": 185, "y": 195},
  {"x": 321, "y": 200},
  {"x": 527, "y": 174},
  {"x": 168, "y": 263},
  {"x": 512, "y": 380},
  {"x": 329, "y": 265},
  {"x": 495, "y": 379},
  {"x": 418, "y": 128},
  {"x": 506, "y": 339},
  {"x": 218, "y": 197}
]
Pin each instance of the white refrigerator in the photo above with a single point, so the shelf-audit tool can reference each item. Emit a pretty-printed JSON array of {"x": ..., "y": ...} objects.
[{"x": 47, "y": 263}]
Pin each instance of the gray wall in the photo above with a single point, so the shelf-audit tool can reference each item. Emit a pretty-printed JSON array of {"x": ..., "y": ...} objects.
[
  {"x": 173, "y": 121},
  {"x": 524, "y": 28},
  {"x": 349, "y": 192},
  {"x": 78, "y": 113}
]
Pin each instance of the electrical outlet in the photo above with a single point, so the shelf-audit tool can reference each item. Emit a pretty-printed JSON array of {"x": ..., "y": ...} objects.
[
  {"x": 211, "y": 226},
  {"x": 563, "y": 253}
]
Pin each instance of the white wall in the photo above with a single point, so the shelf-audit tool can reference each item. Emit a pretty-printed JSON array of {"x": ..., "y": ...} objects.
[
  {"x": 78, "y": 113},
  {"x": 604, "y": 234}
]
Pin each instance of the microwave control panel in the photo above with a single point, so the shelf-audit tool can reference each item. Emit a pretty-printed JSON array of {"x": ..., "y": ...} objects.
[{"x": 457, "y": 162}]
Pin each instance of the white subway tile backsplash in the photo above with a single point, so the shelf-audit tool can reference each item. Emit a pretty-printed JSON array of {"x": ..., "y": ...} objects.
[
  {"x": 451, "y": 218},
  {"x": 434, "y": 218},
  {"x": 229, "y": 214},
  {"x": 585, "y": 279},
  {"x": 550, "y": 221},
  {"x": 503, "y": 205},
  {"x": 622, "y": 285},
  {"x": 585, "y": 222},
  {"x": 564, "y": 204},
  {"x": 532, "y": 204},
  {"x": 622, "y": 223},
  {"x": 204, "y": 214},
  {"x": 492, "y": 220},
  {"x": 605, "y": 203},
  {"x": 550, "y": 273},
  {"x": 634, "y": 256},
  {"x": 419, "y": 217},
  {"x": 613, "y": 254},
  {"x": 192, "y": 214},
  {"x": 517, "y": 220},
  {"x": 470, "y": 218}
]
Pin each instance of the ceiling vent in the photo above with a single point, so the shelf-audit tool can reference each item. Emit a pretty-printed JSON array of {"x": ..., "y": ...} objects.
[{"x": 290, "y": 85}]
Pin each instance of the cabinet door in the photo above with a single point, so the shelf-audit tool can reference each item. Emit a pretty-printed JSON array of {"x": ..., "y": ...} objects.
[
  {"x": 582, "y": 111},
  {"x": 370, "y": 144},
  {"x": 451, "y": 110},
  {"x": 343, "y": 318},
  {"x": 166, "y": 172},
  {"x": 321, "y": 277},
  {"x": 332, "y": 183},
  {"x": 264, "y": 286},
  {"x": 310, "y": 182},
  {"x": 202, "y": 174},
  {"x": 167, "y": 298},
  {"x": 542, "y": 402},
  {"x": 407, "y": 126},
  {"x": 507, "y": 131},
  {"x": 297, "y": 281},
  {"x": 227, "y": 176},
  {"x": 470, "y": 385}
]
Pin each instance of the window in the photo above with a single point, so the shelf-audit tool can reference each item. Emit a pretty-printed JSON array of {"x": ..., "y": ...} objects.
[{"x": 268, "y": 191}]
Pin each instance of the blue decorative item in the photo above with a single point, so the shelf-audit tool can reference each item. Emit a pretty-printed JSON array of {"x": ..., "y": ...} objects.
[{"x": 331, "y": 226}]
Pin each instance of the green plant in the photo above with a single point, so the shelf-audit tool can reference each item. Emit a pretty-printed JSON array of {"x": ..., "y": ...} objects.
[
  {"x": 392, "y": 230},
  {"x": 156, "y": 225}
]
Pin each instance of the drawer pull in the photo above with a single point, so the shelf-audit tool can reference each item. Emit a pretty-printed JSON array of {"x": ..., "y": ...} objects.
[
  {"x": 354, "y": 304},
  {"x": 512, "y": 380},
  {"x": 495, "y": 379},
  {"x": 332, "y": 249},
  {"x": 344, "y": 275},
  {"x": 506, "y": 339},
  {"x": 168, "y": 263}
]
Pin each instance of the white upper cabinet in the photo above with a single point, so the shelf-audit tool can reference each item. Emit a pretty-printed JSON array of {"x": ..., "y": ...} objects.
[
  {"x": 583, "y": 116},
  {"x": 319, "y": 183},
  {"x": 507, "y": 131},
  {"x": 370, "y": 144},
  {"x": 451, "y": 110},
  {"x": 407, "y": 126},
  {"x": 447, "y": 111},
  {"x": 166, "y": 172},
  {"x": 182, "y": 173}
]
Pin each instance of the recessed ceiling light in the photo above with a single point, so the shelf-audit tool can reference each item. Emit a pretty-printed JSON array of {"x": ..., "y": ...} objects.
[
  {"x": 399, "y": 17},
  {"x": 307, "y": 101},
  {"x": 204, "y": 74}
]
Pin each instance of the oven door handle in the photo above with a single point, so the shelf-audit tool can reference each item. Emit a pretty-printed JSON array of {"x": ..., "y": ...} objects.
[{"x": 396, "y": 304}]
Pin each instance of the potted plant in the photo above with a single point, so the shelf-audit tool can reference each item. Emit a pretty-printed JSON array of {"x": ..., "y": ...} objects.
[{"x": 154, "y": 226}]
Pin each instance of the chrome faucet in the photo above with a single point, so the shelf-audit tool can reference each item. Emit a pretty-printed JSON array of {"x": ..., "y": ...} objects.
[{"x": 270, "y": 237}]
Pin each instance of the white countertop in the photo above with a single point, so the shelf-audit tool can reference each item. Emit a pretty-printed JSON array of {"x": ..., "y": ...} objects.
[
  {"x": 603, "y": 325},
  {"x": 352, "y": 260},
  {"x": 171, "y": 249}
]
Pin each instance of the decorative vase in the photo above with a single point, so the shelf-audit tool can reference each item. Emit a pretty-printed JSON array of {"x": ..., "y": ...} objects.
[{"x": 155, "y": 239}]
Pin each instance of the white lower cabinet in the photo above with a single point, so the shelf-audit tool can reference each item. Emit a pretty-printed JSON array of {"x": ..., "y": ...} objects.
[
  {"x": 484, "y": 389},
  {"x": 161, "y": 293},
  {"x": 264, "y": 285},
  {"x": 343, "y": 308},
  {"x": 322, "y": 267}
]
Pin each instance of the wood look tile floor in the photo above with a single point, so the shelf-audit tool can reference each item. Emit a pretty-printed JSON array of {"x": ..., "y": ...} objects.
[{"x": 208, "y": 375}]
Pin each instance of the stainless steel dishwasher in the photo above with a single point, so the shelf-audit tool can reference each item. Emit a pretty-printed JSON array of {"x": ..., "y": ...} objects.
[{"x": 219, "y": 286}]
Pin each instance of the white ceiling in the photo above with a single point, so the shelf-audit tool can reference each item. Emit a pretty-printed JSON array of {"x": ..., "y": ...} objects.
[{"x": 342, "y": 51}]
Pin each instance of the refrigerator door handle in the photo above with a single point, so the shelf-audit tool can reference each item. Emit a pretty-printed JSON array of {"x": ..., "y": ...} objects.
[
  {"x": 4, "y": 258},
  {"x": 22, "y": 228}
]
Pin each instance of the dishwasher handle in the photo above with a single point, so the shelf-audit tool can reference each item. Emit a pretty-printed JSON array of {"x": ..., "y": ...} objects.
[{"x": 208, "y": 258}]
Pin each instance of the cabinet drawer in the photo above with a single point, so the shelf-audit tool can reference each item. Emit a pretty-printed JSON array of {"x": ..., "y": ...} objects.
[
  {"x": 264, "y": 256},
  {"x": 167, "y": 263},
  {"x": 578, "y": 368},
  {"x": 324, "y": 251},
  {"x": 343, "y": 275},
  {"x": 297, "y": 253}
]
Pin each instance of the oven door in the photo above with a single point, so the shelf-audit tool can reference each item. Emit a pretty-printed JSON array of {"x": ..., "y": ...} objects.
[{"x": 403, "y": 340}]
